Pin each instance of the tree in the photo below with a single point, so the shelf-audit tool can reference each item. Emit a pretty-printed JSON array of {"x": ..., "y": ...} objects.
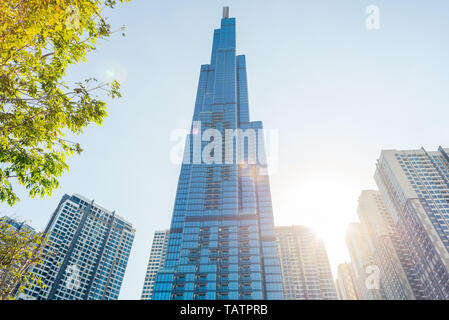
[
  {"x": 39, "y": 40},
  {"x": 20, "y": 249}
]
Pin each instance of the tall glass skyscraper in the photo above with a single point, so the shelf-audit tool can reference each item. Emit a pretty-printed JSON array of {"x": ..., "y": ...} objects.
[{"x": 222, "y": 241}]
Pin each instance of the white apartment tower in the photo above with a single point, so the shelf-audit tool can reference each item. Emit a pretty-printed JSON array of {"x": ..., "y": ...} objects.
[
  {"x": 415, "y": 187},
  {"x": 305, "y": 265},
  {"x": 385, "y": 246},
  {"x": 345, "y": 283},
  {"x": 155, "y": 262},
  {"x": 88, "y": 253}
]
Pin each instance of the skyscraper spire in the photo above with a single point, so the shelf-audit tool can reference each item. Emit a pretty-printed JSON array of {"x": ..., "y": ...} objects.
[{"x": 225, "y": 12}]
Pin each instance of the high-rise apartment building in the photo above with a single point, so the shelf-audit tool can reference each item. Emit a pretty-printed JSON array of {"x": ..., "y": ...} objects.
[
  {"x": 11, "y": 226},
  {"x": 16, "y": 224},
  {"x": 155, "y": 262},
  {"x": 385, "y": 246},
  {"x": 88, "y": 254},
  {"x": 415, "y": 187},
  {"x": 345, "y": 283},
  {"x": 222, "y": 242},
  {"x": 306, "y": 271},
  {"x": 362, "y": 261}
]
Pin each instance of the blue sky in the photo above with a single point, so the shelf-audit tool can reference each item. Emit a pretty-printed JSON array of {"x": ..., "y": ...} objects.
[{"x": 337, "y": 92}]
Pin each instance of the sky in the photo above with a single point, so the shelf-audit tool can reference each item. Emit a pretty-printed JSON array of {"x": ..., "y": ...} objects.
[{"x": 336, "y": 92}]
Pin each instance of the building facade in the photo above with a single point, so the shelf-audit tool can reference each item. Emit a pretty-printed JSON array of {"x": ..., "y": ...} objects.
[
  {"x": 88, "y": 253},
  {"x": 155, "y": 262},
  {"x": 345, "y": 283},
  {"x": 363, "y": 263},
  {"x": 415, "y": 187},
  {"x": 222, "y": 242},
  {"x": 385, "y": 245},
  {"x": 11, "y": 226},
  {"x": 17, "y": 225},
  {"x": 306, "y": 271}
]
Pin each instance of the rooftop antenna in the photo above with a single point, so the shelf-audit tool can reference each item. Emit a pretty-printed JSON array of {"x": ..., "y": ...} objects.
[{"x": 225, "y": 12}]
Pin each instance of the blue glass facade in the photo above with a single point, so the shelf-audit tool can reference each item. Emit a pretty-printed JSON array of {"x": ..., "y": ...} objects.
[{"x": 222, "y": 241}]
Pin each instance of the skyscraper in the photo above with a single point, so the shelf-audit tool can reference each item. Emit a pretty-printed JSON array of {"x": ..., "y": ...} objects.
[
  {"x": 88, "y": 254},
  {"x": 18, "y": 225},
  {"x": 305, "y": 266},
  {"x": 155, "y": 262},
  {"x": 385, "y": 245},
  {"x": 8, "y": 275},
  {"x": 345, "y": 283},
  {"x": 222, "y": 241},
  {"x": 415, "y": 187},
  {"x": 362, "y": 261}
]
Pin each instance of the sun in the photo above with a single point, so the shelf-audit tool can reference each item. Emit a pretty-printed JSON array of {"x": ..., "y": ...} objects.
[{"x": 323, "y": 199}]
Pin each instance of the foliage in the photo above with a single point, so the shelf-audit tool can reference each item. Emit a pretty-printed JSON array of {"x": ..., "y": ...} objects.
[
  {"x": 20, "y": 249},
  {"x": 39, "y": 40}
]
